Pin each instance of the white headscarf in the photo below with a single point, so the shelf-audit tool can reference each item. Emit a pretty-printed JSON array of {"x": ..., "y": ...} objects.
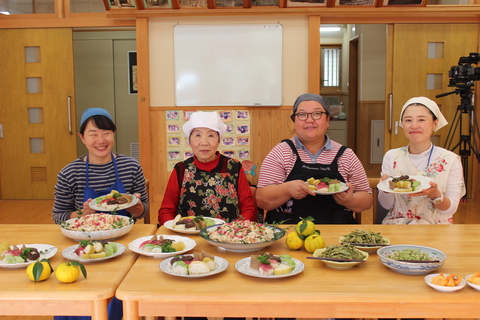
[
  {"x": 202, "y": 119},
  {"x": 431, "y": 105}
]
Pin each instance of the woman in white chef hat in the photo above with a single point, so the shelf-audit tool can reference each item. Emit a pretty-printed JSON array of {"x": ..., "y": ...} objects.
[
  {"x": 209, "y": 183},
  {"x": 436, "y": 203}
]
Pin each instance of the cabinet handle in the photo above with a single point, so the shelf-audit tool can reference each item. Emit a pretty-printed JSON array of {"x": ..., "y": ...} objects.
[
  {"x": 390, "y": 110},
  {"x": 69, "y": 110}
]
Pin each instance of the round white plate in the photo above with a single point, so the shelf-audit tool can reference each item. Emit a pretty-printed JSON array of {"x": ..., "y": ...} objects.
[
  {"x": 243, "y": 266},
  {"x": 93, "y": 204},
  {"x": 70, "y": 254},
  {"x": 169, "y": 225},
  {"x": 473, "y": 285},
  {"x": 424, "y": 182},
  {"x": 135, "y": 246},
  {"x": 342, "y": 188},
  {"x": 428, "y": 280},
  {"x": 46, "y": 252},
  {"x": 222, "y": 265}
]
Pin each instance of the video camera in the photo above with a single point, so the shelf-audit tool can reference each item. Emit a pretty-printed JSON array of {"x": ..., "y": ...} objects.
[{"x": 465, "y": 73}]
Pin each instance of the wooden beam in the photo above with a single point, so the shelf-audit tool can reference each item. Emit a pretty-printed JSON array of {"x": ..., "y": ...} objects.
[{"x": 314, "y": 54}]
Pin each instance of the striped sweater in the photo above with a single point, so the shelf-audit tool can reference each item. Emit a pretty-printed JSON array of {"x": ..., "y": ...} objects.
[{"x": 71, "y": 183}]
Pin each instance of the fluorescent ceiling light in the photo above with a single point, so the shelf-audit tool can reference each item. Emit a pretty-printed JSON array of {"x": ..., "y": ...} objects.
[
  {"x": 5, "y": 13},
  {"x": 330, "y": 29}
]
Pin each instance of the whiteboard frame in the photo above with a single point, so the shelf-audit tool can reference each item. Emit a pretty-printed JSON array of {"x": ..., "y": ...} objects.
[{"x": 228, "y": 65}]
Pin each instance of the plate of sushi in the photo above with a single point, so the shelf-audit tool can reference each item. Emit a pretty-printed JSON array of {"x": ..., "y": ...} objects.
[
  {"x": 113, "y": 201},
  {"x": 269, "y": 266},
  {"x": 326, "y": 186},
  {"x": 195, "y": 265},
  {"x": 404, "y": 184},
  {"x": 161, "y": 246},
  {"x": 190, "y": 224}
]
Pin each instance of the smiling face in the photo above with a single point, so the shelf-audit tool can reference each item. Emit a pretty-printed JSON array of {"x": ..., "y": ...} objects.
[
  {"x": 99, "y": 143},
  {"x": 310, "y": 130},
  {"x": 204, "y": 143},
  {"x": 418, "y": 124}
]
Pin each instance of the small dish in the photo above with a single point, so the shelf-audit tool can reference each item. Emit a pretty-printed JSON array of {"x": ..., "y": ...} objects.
[
  {"x": 169, "y": 225},
  {"x": 342, "y": 264},
  {"x": 428, "y": 280},
  {"x": 222, "y": 265},
  {"x": 135, "y": 246},
  {"x": 473, "y": 285},
  {"x": 69, "y": 253},
  {"x": 369, "y": 248},
  {"x": 243, "y": 266}
]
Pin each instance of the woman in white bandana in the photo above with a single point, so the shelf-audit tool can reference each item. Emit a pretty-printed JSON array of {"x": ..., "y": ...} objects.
[{"x": 420, "y": 118}]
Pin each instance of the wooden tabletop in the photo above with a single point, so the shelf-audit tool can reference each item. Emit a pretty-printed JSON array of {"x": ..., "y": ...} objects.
[
  {"x": 369, "y": 290},
  {"x": 21, "y": 296}
]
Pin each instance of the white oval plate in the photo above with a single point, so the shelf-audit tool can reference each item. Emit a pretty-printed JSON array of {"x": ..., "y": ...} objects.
[
  {"x": 93, "y": 204},
  {"x": 342, "y": 188},
  {"x": 69, "y": 253},
  {"x": 243, "y": 266},
  {"x": 428, "y": 280},
  {"x": 135, "y": 244},
  {"x": 50, "y": 252},
  {"x": 222, "y": 265},
  {"x": 169, "y": 225},
  {"x": 424, "y": 182},
  {"x": 368, "y": 249},
  {"x": 473, "y": 285}
]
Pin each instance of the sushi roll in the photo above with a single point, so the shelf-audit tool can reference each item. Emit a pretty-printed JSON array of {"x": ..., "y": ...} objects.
[
  {"x": 210, "y": 263},
  {"x": 198, "y": 267},
  {"x": 266, "y": 269},
  {"x": 180, "y": 267}
]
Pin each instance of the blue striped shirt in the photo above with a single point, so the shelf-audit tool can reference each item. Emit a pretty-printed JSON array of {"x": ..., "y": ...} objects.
[{"x": 71, "y": 182}]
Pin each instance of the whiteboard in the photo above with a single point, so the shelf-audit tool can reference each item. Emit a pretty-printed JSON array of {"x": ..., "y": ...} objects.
[{"x": 228, "y": 65}]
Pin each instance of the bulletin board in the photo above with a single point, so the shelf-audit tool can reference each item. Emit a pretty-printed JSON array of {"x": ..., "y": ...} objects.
[
  {"x": 235, "y": 143},
  {"x": 228, "y": 65}
]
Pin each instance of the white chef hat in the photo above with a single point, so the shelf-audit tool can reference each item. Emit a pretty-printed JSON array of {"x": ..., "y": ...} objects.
[
  {"x": 202, "y": 119},
  {"x": 431, "y": 105}
]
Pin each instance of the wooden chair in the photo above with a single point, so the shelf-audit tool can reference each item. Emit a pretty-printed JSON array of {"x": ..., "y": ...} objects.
[
  {"x": 260, "y": 216},
  {"x": 146, "y": 219}
]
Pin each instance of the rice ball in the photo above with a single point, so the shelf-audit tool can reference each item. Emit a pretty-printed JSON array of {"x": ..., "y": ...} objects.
[{"x": 198, "y": 267}]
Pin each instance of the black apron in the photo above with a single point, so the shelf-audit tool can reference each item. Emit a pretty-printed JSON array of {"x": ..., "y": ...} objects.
[{"x": 322, "y": 208}]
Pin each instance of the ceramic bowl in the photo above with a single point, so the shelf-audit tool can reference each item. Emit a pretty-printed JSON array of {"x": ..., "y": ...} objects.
[
  {"x": 411, "y": 267},
  {"x": 369, "y": 249},
  {"x": 242, "y": 247},
  {"x": 97, "y": 235}
]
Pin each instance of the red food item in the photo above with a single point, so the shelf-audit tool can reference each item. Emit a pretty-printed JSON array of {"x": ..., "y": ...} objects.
[{"x": 322, "y": 185}]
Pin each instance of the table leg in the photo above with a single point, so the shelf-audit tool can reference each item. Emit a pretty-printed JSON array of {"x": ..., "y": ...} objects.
[
  {"x": 130, "y": 310},
  {"x": 100, "y": 310}
]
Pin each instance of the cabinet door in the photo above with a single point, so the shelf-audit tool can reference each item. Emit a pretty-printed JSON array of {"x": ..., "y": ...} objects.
[
  {"x": 39, "y": 131},
  {"x": 411, "y": 64}
]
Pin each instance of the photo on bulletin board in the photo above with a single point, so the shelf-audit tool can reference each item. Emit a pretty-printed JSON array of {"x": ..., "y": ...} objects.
[
  {"x": 154, "y": 4},
  {"x": 193, "y": 3},
  {"x": 172, "y": 115},
  {"x": 229, "y": 128},
  {"x": 132, "y": 73},
  {"x": 228, "y": 141},
  {"x": 243, "y": 141},
  {"x": 119, "y": 4},
  {"x": 265, "y": 3},
  {"x": 242, "y": 115},
  {"x": 306, "y": 3},
  {"x": 244, "y": 154},
  {"x": 229, "y": 153},
  {"x": 355, "y": 2},
  {"x": 173, "y": 127},
  {"x": 173, "y": 155},
  {"x": 187, "y": 114},
  {"x": 174, "y": 141},
  {"x": 226, "y": 116},
  {"x": 187, "y": 154},
  {"x": 243, "y": 129}
]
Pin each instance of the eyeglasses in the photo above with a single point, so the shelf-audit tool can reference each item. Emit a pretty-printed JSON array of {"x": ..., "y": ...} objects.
[{"x": 302, "y": 116}]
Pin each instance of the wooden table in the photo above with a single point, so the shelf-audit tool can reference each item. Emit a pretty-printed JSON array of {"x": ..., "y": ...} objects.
[
  {"x": 369, "y": 290},
  {"x": 21, "y": 296}
]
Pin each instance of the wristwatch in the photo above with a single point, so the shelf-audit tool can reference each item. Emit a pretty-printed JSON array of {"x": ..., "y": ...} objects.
[{"x": 438, "y": 200}]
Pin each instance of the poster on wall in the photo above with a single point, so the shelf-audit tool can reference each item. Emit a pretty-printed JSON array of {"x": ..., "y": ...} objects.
[
  {"x": 235, "y": 143},
  {"x": 132, "y": 73}
]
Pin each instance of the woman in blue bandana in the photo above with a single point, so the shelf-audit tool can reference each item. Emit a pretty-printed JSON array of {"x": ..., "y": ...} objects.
[{"x": 96, "y": 174}]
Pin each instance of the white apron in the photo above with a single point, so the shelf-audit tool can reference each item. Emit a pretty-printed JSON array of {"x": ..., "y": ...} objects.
[{"x": 419, "y": 210}]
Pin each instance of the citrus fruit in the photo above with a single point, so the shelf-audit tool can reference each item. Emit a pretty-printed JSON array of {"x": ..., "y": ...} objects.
[
  {"x": 294, "y": 242},
  {"x": 305, "y": 227},
  {"x": 178, "y": 246},
  {"x": 67, "y": 272},
  {"x": 314, "y": 242},
  {"x": 39, "y": 271}
]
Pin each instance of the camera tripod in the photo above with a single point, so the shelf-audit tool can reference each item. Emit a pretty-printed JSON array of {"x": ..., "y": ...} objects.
[{"x": 465, "y": 146}]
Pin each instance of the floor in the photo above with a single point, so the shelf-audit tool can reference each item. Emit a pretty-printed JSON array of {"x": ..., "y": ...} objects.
[{"x": 38, "y": 212}]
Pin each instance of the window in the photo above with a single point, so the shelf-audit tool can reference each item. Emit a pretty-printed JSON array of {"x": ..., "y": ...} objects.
[{"x": 331, "y": 64}]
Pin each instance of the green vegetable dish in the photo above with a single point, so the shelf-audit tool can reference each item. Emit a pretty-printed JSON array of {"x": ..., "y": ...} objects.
[
  {"x": 409, "y": 254},
  {"x": 342, "y": 252},
  {"x": 363, "y": 236}
]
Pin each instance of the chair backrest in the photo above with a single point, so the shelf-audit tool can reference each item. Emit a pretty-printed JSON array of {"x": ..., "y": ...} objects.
[{"x": 146, "y": 219}]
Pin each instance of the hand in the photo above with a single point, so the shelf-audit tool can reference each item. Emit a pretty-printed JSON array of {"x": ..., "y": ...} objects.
[
  {"x": 345, "y": 198},
  {"x": 137, "y": 209},
  {"x": 298, "y": 189},
  {"x": 431, "y": 192},
  {"x": 384, "y": 176},
  {"x": 86, "y": 210}
]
